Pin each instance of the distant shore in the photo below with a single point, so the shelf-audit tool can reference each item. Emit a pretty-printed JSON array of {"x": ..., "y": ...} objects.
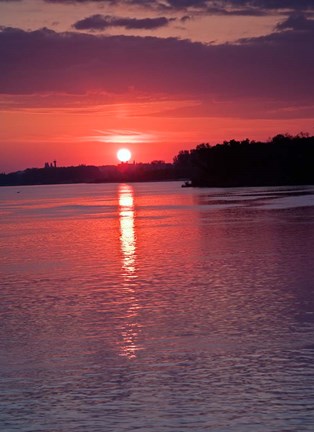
[{"x": 124, "y": 172}]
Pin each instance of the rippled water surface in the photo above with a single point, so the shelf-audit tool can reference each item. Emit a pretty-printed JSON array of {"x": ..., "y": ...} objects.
[{"x": 149, "y": 307}]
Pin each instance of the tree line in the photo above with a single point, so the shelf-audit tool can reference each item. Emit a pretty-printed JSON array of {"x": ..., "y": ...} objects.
[
  {"x": 283, "y": 160},
  {"x": 51, "y": 174}
]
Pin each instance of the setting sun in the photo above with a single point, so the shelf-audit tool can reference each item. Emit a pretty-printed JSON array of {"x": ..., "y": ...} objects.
[{"x": 124, "y": 155}]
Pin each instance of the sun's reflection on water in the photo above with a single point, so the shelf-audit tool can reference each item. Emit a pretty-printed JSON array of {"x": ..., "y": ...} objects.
[
  {"x": 127, "y": 231},
  {"x": 131, "y": 326}
]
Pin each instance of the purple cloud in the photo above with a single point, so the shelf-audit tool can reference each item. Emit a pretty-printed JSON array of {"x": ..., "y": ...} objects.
[
  {"x": 279, "y": 66},
  {"x": 102, "y": 22}
]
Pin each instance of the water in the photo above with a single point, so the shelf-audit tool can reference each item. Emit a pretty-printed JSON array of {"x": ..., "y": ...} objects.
[{"x": 148, "y": 307}]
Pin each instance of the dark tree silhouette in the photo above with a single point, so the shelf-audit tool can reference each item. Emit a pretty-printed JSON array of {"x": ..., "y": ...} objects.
[{"x": 284, "y": 160}]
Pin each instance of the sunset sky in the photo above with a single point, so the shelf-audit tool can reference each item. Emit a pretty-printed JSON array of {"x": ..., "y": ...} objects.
[{"x": 79, "y": 79}]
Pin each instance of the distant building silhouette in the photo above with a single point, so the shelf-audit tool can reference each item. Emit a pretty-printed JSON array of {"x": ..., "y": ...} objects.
[{"x": 50, "y": 165}]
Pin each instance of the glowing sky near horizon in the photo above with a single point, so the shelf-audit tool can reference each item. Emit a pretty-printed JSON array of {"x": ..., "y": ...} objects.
[{"x": 81, "y": 78}]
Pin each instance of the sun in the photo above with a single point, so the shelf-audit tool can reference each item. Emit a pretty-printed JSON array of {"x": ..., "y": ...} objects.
[{"x": 124, "y": 155}]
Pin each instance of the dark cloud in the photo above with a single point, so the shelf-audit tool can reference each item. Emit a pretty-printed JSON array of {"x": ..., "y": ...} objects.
[
  {"x": 279, "y": 66},
  {"x": 102, "y": 22},
  {"x": 276, "y": 4},
  {"x": 297, "y": 22},
  {"x": 185, "y": 4}
]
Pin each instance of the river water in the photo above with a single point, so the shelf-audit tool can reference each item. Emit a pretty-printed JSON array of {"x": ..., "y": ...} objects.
[{"x": 148, "y": 307}]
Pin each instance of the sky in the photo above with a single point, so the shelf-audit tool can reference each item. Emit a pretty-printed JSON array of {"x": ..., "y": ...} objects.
[{"x": 80, "y": 79}]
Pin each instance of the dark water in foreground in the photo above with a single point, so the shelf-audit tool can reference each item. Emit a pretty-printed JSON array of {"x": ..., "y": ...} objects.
[{"x": 148, "y": 307}]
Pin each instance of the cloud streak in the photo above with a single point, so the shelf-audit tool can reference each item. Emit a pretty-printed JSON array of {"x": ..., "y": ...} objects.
[{"x": 120, "y": 137}]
